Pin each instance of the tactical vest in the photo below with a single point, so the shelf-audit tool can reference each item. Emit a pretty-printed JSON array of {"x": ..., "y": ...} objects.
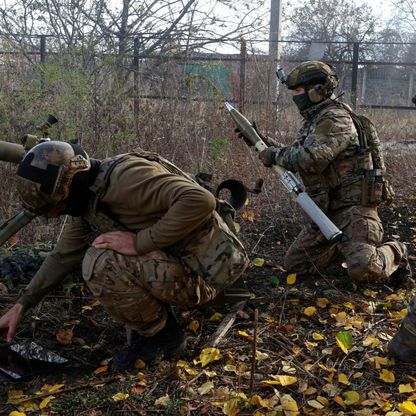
[
  {"x": 357, "y": 175},
  {"x": 376, "y": 188},
  {"x": 212, "y": 250}
]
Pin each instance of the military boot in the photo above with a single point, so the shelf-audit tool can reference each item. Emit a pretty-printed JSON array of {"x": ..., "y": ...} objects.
[
  {"x": 403, "y": 344},
  {"x": 402, "y": 277},
  {"x": 168, "y": 342}
]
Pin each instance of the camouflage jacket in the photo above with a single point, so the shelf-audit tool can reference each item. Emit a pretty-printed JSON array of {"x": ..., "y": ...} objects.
[{"x": 326, "y": 156}]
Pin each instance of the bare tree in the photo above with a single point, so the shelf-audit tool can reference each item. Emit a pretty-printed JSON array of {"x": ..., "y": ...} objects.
[
  {"x": 405, "y": 11},
  {"x": 161, "y": 25},
  {"x": 340, "y": 21}
]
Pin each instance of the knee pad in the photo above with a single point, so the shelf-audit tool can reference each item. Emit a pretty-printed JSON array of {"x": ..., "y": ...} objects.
[{"x": 91, "y": 258}]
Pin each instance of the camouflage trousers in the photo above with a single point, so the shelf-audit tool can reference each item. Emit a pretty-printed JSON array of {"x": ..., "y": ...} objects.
[
  {"x": 367, "y": 258},
  {"x": 135, "y": 290}
]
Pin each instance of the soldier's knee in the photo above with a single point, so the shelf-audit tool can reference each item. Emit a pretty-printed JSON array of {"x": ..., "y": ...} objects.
[
  {"x": 363, "y": 272},
  {"x": 94, "y": 260}
]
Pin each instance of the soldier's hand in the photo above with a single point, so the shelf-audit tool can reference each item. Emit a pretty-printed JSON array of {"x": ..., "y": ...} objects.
[
  {"x": 123, "y": 242},
  {"x": 268, "y": 156},
  {"x": 10, "y": 320}
]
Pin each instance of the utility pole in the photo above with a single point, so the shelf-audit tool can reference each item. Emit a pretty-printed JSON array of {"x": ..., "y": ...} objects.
[{"x": 274, "y": 50}]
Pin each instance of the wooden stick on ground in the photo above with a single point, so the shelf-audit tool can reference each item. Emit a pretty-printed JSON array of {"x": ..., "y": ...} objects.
[
  {"x": 253, "y": 358},
  {"x": 225, "y": 325}
]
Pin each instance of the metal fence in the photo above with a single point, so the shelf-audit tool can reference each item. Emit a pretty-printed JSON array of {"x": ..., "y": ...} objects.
[{"x": 248, "y": 77}]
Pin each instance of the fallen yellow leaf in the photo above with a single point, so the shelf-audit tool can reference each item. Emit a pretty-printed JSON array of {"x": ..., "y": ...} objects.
[
  {"x": 216, "y": 317},
  {"x": 209, "y": 355},
  {"x": 162, "y": 401},
  {"x": 309, "y": 311},
  {"x": 29, "y": 406},
  {"x": 15, "y": 396},
  {"x": 341, "y": 318},
  {"x": 291, "y": 279},
  {"x": 206, "y": 387},
  {"x": 193, "y": 326},
  {"x": 120, "y": 396},
  {"x": 287, "y": 380},
  {"x": 248, "y": 215},
  {"x": 378, "y": 361},
  {"x": 258, "y": 262},
  {"x": 315, "y": 404},
  {"x": 281, "y": 380},
  {"x": 408, "y": 407},
  {"x": 139, "y": 364},
  {"x": 373, "y": 341},
  {"x": 370, "y": 293},
  {"x": 342, "y": 378},
  {"x": 288, "y": 403},
  {"x": 45, "y": 402},
  {"x": 50, "y": 388},
  {"x": 317, "y": 336},
  {"x": 258, "y": 401},
  {"x": 387, "y": 376},
  {"x": 245, "y": 335},
  {"x": 406, "y": 388},
  {"x": 322, "y": 302},
  {"x": 231, "y": 407},
  {"x": 271, "y": 382},
  {"x": 350, "y": 397},
  {"x": 261, "y": 356}
]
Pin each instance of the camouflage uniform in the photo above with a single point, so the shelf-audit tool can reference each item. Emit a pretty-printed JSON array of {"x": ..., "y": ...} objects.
[
  {"x": 186, "y": 252},
  {"x": 328, "y": 159}
]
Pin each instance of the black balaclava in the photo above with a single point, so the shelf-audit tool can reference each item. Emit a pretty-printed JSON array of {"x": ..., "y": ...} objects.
[{"x": 302, "y": 101}]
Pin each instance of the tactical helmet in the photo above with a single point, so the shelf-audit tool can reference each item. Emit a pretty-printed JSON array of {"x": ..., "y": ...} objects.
[
  {"x": 312, "y": 72},
  {"x": 46, "y": 173}
]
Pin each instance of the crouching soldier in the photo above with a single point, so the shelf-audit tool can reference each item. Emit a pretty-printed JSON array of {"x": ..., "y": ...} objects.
[{"x": 146, "y": 234}]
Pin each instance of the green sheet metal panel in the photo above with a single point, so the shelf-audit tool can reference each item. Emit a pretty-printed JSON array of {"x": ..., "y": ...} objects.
[{"x": 205, "y": 77}]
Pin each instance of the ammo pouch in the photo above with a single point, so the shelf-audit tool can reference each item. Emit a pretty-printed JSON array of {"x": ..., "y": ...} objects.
[
  {"x": 375, "y": 189},
  {"x": 213, "y": 252}
]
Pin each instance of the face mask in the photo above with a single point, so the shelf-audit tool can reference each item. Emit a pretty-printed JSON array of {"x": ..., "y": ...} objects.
[{"x": 302, "y": 101}]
